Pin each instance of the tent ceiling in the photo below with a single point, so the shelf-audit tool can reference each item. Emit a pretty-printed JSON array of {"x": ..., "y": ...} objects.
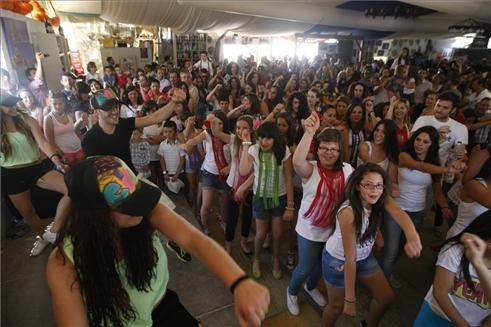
[{"x": 275, "y": 16}]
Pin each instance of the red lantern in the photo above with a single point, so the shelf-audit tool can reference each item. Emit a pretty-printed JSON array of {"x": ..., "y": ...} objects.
[{"x": 55, "y": 21}]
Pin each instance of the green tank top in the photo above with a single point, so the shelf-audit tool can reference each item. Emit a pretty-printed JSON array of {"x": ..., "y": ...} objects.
[
  {"x": 143, "y": 302},
  {"x": 23, "y": 151}
]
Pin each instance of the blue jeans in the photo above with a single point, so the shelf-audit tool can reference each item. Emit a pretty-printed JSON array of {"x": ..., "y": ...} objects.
[
  {"x": 394, "y": 238},
  {"x": 309, "y": 266},
  {"x": 426, "y": 317}
]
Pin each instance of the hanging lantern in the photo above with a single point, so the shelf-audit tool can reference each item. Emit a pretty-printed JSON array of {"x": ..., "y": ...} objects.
[{"x": 55, "y": 21}]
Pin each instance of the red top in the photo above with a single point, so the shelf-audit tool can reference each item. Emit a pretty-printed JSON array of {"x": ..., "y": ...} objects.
[{"x": 402, "y": 134}]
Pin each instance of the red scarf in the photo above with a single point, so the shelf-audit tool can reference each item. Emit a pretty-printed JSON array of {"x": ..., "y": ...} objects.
[
  {"x": 329, "y": 190},
  {"x": 220, "y": 160},
  {"x": 239, "y": 180}
]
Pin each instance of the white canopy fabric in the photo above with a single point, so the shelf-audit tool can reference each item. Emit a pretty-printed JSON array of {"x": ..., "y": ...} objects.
[{"x": 270, "y": 17}]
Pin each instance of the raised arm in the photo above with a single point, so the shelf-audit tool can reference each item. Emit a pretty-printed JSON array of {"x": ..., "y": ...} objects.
[
  {"x": 190, "y": 144},
  {"x": 163, "y": 113},
  {"x": 218, "y": 132},
  {"x": 302, "y": 167},
  {"x": 245, "y": 164},
  {"x": 236, "y": 112}
]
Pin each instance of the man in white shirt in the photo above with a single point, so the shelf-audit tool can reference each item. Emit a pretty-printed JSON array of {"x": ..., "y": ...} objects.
[
  {"x": 451, "y": 131},
  {"x": 480, "y": 91},
  {"x": 204, "y": 62},
  {"x": 453, "y": 136}
]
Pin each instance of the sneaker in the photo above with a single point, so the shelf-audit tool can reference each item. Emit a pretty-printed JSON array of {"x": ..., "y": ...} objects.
[
  {"x": 39, "y": 245},
  {"x": 292, "y": 303},
  {"x": 180, "y": 253},
  {"x": 290, "y": 260},
  {"x": 394, "y": 282},
  {"x": 316, "y": 296},
  {"x": 48, "y": 235}
]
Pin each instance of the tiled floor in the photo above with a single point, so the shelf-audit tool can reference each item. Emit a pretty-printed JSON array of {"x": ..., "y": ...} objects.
[{"x": 25, "y": 299}]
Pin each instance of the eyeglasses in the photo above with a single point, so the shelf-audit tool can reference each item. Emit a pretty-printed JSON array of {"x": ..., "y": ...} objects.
[
  {"x": 328, "y": 150},
  {"x": 371, "y": 187}
]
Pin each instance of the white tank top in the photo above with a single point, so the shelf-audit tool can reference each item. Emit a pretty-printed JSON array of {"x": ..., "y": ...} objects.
[
  {"x": 334, "y": 245},
  {"x": 65, "y": 137},
  {"x": 468, "y": 211},
  {"x": 384, "y": 163}
]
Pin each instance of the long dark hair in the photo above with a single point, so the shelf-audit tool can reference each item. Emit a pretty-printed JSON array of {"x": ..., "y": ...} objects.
[
  {"x": 270, "y": 130},
  {"x": 480, "y": 226},
  {"x": 303, "y": 111},
  {"x": 352, "y": 195},
  {"x": 432, "y": 154},
  {"x": 94, "y": 238},
  {"x": 391, "y": 148},
  {"x": 291, "y": 134},
  {"x": 348, "y": 117}
]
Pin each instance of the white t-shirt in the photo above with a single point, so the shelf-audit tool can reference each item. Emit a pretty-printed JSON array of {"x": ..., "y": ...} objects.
[
  {"x": 209, "y": 163},
  {"x": 304, "y": 227},
  {"x": 128, "y": 111},
  {"x": 334, "y": 245},
  {"x": 153, "y": 130},
  {"x": 472, "y": 305},
  {"x": 468, "y": 211},
  {"x": 413, "y": 185},
  {"x": 172, "y": 154},
  {"x": 458, "y": 133},
  {"x": 254, "y": 152}
]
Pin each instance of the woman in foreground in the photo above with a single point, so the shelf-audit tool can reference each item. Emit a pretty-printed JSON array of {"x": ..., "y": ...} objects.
[{"x": 109, "y": 266}]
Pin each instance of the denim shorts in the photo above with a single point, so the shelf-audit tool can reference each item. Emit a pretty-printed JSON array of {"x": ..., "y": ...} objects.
[
  {"x": 212, "y": 181},
  {"x": 258, "y": 211},
  {"x": 333, "y": 269}
]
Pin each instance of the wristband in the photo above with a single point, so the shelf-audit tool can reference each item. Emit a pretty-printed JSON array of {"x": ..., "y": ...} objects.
[
  {"x": 54, "y": 155},
  {"x": 237, "y": 282},
  {"x": 246, "y": 143},
  {"x": 164, "y": 172},
  {"x": 289, "y": 208},
  {"x": 350, "y": 301}
]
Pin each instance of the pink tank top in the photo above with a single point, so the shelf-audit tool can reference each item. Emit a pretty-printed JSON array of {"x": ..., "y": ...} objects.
[{"x": 65, "y": 137}]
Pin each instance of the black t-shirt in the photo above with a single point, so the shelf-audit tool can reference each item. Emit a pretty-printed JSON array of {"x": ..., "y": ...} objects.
[{"x": 97, "y": 142}]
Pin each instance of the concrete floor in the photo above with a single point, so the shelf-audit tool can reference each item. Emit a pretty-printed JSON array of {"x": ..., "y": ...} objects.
[{"x": 25, "y": 299}]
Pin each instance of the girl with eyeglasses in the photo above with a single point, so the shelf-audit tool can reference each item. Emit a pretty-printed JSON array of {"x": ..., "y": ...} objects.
[
  {"x": 419, "y": 167},
  {"x": 348, "y": 257},
  {"x": 322, "y": 183}
]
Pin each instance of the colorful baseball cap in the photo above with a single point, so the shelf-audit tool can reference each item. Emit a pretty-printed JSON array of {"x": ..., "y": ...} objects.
[
  {"x": 100, "y": 180},
  {"x": 104, "y": 99}
]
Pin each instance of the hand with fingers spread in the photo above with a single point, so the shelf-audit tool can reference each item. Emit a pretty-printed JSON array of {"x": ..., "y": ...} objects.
[{"x": 177, "y": 95}]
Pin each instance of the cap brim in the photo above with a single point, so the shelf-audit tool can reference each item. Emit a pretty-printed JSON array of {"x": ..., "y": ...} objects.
[
  {"x": 109, "y": 104},
  {"x": 142, "y": 201},
  {"x": 10, "y": 101}
]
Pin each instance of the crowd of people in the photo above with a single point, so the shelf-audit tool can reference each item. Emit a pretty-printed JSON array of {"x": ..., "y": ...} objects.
[{"x": 330, "y": 160}]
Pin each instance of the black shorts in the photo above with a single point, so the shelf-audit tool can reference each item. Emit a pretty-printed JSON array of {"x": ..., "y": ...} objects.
[
  {"x": 171, "y": 313},
  {"x": 18, "y": 180}
]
